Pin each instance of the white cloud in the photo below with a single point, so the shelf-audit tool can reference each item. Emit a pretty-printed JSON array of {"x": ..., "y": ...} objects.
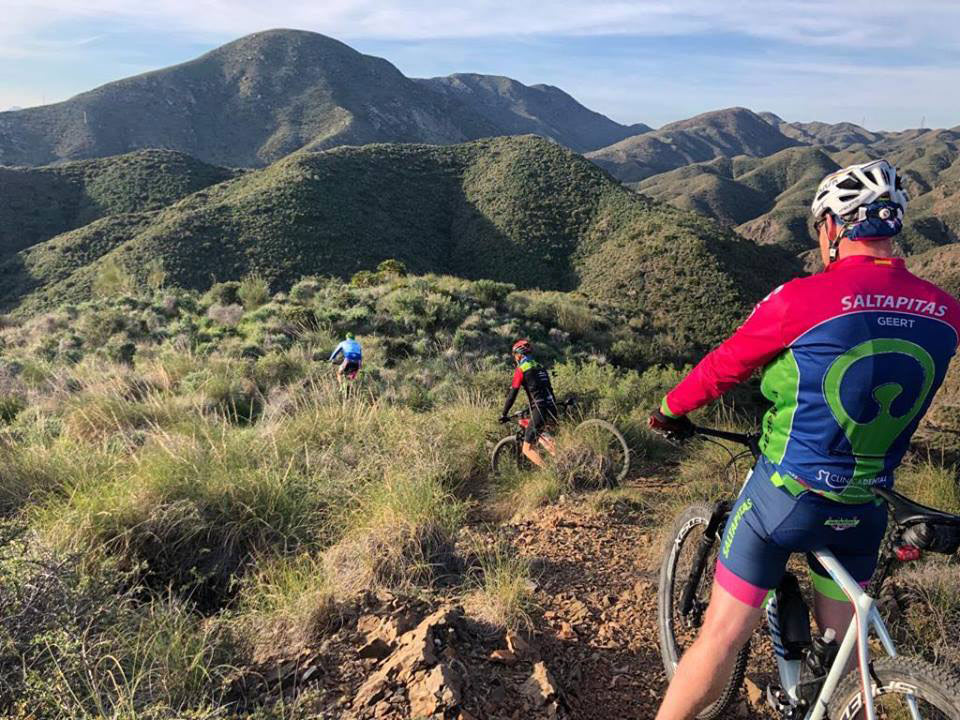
[{"x": 812, "y": 22}]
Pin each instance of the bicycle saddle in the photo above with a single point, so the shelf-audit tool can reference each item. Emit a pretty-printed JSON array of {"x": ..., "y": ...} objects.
[{"x": 908, "y": 512}]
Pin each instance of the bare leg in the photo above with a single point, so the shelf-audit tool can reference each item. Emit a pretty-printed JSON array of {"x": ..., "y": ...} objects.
[
  {"x": 836, "y": 614},
  {"x": 532, "y": 455},
  {"x": 549, "y": 444},
  {"x": 707, "y": 664}
]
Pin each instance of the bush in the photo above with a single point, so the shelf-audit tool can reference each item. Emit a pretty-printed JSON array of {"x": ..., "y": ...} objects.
[
  {"x": 224, "y": 293},
  {"x": 287, "y": 603},
  {"x": 391, "y": 267},
  {"x": 10, "y": 407},
  {"x": 490, "y": 292},
  {"x": 228, "y": 315},
  {"x": 400, "y": 535},
  {"x": 305, "y": 289},
  {"x": 98, "y": 327},
  {"x": 113, "y": 279},
  {"x": 277, "y": 369},
  {"x": 503, "y": 594},
  {"x": 253, "y": 292},
  {"x": 120, "y": 350},
  {"x": 156, "y": 275},
  {"x": 79, "y": 640},
  {"x": 193, "y": 512},
  {"x": 364, "y": 278}
]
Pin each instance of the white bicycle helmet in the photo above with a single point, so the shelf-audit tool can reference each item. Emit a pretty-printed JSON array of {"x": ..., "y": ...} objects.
[{"x": 847, "y": 190}]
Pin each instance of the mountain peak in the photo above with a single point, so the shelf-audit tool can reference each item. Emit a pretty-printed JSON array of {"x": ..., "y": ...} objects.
[
  {"x": 726, "y": 118},
  {"x": 264, "y": 95}
]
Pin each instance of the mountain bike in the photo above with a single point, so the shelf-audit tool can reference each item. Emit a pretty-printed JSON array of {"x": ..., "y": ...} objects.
[
  {"x": 606, "y": 446},
  {"x": 813, "y": 682}
]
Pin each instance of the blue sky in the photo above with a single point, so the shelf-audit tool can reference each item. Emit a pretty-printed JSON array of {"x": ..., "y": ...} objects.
[{"x": 888, "y": 64}]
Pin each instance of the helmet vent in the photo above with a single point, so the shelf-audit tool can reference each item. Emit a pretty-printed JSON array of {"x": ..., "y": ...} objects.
[{"x": 850, "y": 184}]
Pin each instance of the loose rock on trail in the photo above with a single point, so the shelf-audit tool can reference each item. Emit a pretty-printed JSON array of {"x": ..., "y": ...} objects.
[{"x": 591, "y": 654}]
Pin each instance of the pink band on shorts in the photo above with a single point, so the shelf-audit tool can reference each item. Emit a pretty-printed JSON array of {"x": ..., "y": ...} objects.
[{"x": 743, "y": 591}]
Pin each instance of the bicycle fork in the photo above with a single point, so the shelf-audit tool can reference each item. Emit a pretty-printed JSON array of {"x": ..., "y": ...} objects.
[{"x": 710, "y": 535}]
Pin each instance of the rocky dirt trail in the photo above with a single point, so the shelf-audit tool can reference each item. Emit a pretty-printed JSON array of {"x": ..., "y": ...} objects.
[
  {"x": 597, "y": 589},
  {"x": 591, "y": 653}
]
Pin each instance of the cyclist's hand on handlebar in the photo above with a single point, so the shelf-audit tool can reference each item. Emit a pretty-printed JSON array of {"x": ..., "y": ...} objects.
[
  {"x": 678, "y": 428},
  {"x": 503, "y": 419}
]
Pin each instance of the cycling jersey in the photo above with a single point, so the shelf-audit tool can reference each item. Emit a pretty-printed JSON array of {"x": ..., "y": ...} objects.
[
  {"x": 851, "y": 359},
  {"x": 535, "y": 380},
  {"x": 350, "y": 350}
]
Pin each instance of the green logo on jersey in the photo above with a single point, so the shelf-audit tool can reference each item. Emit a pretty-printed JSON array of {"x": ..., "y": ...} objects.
[
  {"x": 842, "y": 523},
  {"x": 734, "y": 524},
  {"x": 873, "y": 439}
]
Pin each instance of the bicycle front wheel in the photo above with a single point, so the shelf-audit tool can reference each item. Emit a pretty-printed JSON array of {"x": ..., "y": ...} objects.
[
  {"x": 507, "y": 457},
  {"x": 608, "y": 451},
  {"x": 935, "y": 689},
  {"x": 688, "y": 568}
]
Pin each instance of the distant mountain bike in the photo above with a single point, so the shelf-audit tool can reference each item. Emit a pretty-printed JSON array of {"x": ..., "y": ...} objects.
[
  {"x": 813, "y": 682},
  {"x": 605, "y": 445}
]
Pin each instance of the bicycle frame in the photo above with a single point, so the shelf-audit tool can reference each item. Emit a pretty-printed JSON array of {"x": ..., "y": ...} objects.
[
  {"x": 865, "y": 617},
  {"x": 856, "y": 640}
]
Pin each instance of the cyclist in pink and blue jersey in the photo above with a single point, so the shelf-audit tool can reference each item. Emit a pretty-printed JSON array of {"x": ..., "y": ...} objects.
[{"x": 851, "y": 359}]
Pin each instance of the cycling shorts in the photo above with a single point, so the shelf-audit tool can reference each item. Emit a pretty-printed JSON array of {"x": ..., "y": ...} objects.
[
  {"x": 541, "y": 417},
  {"x": 350, "y": 368},
  {"x": 775, "y": 516}
]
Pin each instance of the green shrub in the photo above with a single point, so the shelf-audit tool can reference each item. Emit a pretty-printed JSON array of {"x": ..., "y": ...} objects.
[
  {"x": 287, "y": 603},
  {"x": 97, "y": 328},
  {"x": 120, "y": 350},
  {"x": 400, "y": 535},
  {"x": 193, "y": 512},
  {"x": 490, "y": 292},
  {"x": 277, "y": 369},
  {"x": 224, "y": 293},
  {"x": 80, "y": 640},
  {"x": 305, "y": 289},
  {"x": 113, "y": 279},
  {"x": 156, "y": 275},
  {"x": 253, "y": 291},
  {"x": 503, "y": 594},
  {"x": 10, "y": 407},
  {"x": 364, "y": 278},
  {"x": 392, "y": 267}
]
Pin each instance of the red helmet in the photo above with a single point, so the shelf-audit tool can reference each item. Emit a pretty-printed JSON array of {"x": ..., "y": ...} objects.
[{"x": 521, "y": 346}]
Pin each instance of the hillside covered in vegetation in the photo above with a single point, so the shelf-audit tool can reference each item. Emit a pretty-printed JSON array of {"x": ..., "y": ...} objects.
[
  {"x": 518, "y": 210},
  {"x": 193, "y": 514}
]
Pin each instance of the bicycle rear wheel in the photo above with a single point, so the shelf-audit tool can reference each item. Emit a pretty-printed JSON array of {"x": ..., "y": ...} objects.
[
  {"x": 935, "y": 689},
  {"x": 507, "y": 457},
  {"x": 678, "y": 571},
  {"x": 608, "y": 452}
]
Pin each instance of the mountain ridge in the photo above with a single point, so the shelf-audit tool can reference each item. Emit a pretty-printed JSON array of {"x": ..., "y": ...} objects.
[
  {"x": 520, "y": 209},
  {"x": 262, "y": 96}
]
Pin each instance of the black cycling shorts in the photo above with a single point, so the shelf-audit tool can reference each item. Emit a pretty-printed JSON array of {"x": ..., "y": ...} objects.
[
  {"x": 350, "y": 368},
  {"x": 541, "y": 417}
]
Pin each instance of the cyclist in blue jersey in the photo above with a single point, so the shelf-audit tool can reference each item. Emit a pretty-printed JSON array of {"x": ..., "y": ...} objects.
[
  {"x": 352, "y": 355},
  {"x": 851, "y": 359}
]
